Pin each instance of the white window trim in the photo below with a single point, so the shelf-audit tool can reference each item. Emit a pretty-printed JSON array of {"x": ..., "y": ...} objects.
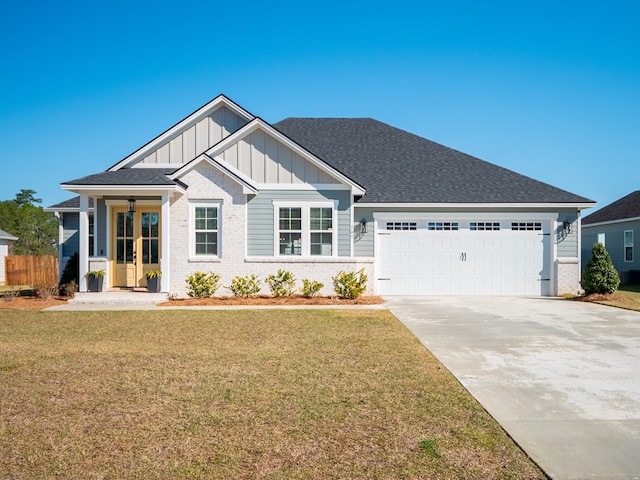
[
  {"x": 192, "y": 230},
  {"x": 306, "y": 230},
  {"x": 626, "y": 245}
]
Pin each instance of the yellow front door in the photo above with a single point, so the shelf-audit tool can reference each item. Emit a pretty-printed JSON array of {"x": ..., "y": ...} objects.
[{"x": 136, "y": 245}]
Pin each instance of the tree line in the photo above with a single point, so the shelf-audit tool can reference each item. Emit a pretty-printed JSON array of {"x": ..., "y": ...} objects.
[{"x": 25, "y": 218}]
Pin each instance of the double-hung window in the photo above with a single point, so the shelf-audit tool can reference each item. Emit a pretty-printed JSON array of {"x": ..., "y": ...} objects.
[
  {"x": 628, "y": 245},
  {"x": 205, "y": 230},
  {"x": 305, "y": 229}
]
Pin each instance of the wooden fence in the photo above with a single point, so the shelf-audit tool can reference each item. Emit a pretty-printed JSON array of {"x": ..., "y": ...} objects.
[{"x": 31, "y": 269}]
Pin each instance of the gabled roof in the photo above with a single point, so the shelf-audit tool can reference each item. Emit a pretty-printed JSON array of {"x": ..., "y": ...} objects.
[
  {"x": 625, "y": 208},
  {"x": 247, "y": 184},
  {"x": 396, "y": 166},
  {"x": 182, "y": 125},
  {"x": 7, "y": 236},
  {"x": 259, "y": 124}
]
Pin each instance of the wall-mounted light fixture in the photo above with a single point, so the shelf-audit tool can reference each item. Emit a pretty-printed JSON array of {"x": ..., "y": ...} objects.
[
  {"x": 566, "y": 228},
  {"x": 132, "y": 205},
  {"x": 363, "y": 225}
]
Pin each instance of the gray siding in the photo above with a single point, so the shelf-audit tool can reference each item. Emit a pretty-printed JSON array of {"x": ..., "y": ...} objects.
[
  {"x": 614, "y": 243},
  {"x": 260, "y": 218},
  {"x": 100, "y": 229},
  {"x": 363, "y": 242},
  {"x": 70, "y": 238},
  {"x": 567, "y": 245}
]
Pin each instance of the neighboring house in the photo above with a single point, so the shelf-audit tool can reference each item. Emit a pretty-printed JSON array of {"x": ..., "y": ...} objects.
[
  {"x": 225, "y": 191},
  {"x": 5, "y": 241},
  {"x": 616, "y": 226}
]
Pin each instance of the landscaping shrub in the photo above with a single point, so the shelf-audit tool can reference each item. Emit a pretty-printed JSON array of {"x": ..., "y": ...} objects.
[
  {"x": 71, "y": 272},
  {"x": 599, "y": 275},
  {"x": 311, "y": 288},
  {"x": 202, "y": 284},
  {"x": 45, "y": 292},
  {"x": 245, "y": 286},
  {"x": 282, "y": 284},
  {"x": 69, "y": 289},
  {"x": 350, "y": 285}
]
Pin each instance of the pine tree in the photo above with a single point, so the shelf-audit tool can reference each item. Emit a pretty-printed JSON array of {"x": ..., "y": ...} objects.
[{"x": 599, "y": 275}]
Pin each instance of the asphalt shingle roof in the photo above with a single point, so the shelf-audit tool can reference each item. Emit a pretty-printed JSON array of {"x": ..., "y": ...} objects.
[
  {"x": 396, "y": 166},
  {"x": 73, "y": 203},
  {"x": 626, "y": 207},
  {"x": 127, "y": 176}
]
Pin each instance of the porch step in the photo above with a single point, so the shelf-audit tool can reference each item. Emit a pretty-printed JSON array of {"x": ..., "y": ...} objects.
[{"x": 118, "y": 297}]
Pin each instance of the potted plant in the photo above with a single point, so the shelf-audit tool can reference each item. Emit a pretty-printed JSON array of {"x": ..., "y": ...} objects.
[
  {"x": 153, "y": 280},
  {"x": 95, "y": 279}
]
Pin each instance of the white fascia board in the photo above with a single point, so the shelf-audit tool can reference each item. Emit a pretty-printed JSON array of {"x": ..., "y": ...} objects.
[
  {"x": 611, "y": 222},
  {"x": 303, "y": 186},
  {"x": 65, "y": 209},
  {"x": 464, "y": 215},
  {"x": 248, "y": 185},
  {"x": 184, "y": 124},
  {"x": 101, "y": 190},
  {"x": 259, "y": 124},
  {"x": 476, "y": 206}
]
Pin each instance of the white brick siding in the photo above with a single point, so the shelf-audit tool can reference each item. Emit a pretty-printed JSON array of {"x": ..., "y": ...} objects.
[{"x": 567, "y": 276}]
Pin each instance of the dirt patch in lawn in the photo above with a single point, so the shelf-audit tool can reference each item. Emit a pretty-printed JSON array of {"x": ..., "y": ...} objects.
[
  {"x": 30, "y": 303},
  {"x": 265, "y": 300}
]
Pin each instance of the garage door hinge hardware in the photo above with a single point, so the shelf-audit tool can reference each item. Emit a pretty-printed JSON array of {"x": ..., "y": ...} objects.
[
  {"x": 384, "y": 279},
  {"x": 463, "y": 257},
  {"x": 384, "y": 233},
  {"x": 545, "y": 234}
]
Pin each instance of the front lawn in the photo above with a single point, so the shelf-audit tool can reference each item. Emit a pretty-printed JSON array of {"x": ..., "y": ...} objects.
[{"x": 279, "y": 394}]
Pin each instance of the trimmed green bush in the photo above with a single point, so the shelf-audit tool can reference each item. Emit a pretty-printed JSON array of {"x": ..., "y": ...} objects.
[
  {"x": 311, "y": 288},
  {"x": 245, "y": 286},
  {"x": 282, "y": 284},
  {"x": 599, "y": 275},
  {"x": 350, "y": 285},
  {"x": 71, "y": 272},
  {"x": 202, "y": 285}
]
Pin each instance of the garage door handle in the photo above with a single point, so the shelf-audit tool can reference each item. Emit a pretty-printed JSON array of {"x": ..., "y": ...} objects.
[{"x": 463, "y": 257}]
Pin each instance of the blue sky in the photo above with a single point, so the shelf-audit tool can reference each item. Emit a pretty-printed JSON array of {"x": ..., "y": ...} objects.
[{"x": 548, "y": 89}]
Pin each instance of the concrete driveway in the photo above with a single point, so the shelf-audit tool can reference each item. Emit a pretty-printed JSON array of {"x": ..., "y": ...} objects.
[{"x": 561, "y": 377}]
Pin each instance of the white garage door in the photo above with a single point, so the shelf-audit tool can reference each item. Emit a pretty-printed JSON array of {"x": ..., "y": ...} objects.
[{"x": 463, "y": 257}]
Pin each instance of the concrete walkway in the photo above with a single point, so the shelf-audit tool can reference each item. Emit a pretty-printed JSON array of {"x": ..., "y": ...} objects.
[{"x": 561, "y": 377}]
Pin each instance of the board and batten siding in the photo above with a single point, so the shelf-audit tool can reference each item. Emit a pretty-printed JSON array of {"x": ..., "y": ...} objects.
[
  {"x": 261, "y": 221},
  {"x": 614, "y": 243},
  {"x": 267, "y": 160},
  {"x": 198, "y": 138}
]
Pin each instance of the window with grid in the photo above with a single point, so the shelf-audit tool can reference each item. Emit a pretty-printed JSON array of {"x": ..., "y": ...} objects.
[
  {"x": 320, "y": 229},
  {"x": 628, "y": 245},
  {"x": 91, "y": 236},
  {"x": 206, "y": 230},
  {"x": 444, "y": 226},
  {"x": 290, "y": 230},
  {"x": 484, "y": 226},
  {"x": 526, "y": 226},
  {"x": 402, "y": 226}
]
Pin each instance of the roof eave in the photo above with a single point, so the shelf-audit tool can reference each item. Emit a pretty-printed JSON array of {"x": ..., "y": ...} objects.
[
  {"x": 100, "y": 190},
  {"x": 578, "y": 205}
]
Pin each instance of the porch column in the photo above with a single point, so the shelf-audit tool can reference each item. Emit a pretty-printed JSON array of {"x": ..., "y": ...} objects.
[
  {"x": 83, "y": 233},
  {"x": 164, "y": 242}
]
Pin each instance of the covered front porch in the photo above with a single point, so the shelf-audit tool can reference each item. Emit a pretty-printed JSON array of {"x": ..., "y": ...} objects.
[{"x": 125, "y": 236}]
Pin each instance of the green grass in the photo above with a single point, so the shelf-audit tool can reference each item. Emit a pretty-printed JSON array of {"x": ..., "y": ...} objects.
[
  {"x": 277, "y": 394},
  {"x": 627, "y": 296}
]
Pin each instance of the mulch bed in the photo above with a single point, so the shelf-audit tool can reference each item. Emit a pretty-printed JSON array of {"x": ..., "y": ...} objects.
[{"x": 266, "y": 300}]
